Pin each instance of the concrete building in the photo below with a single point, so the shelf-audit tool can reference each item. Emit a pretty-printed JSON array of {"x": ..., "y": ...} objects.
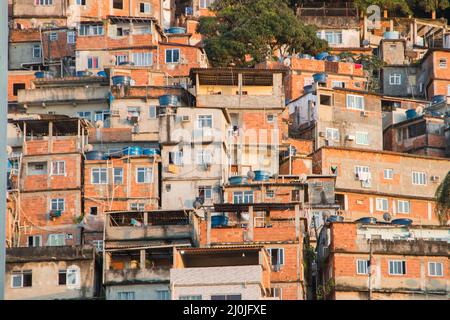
[
  {"x": 56, "y": 273},
  {"x": 25, "y": 50},
  {"x": 370, "y": 183},
  {"x": 434, "y": 75},
  {"x": 338, "y": 117},
  {"x": 139, "y": 252},
  {"x": 383, "y": 261},
  {"x": 400, "y": 81},
  {"x": 231, "y": 273}
]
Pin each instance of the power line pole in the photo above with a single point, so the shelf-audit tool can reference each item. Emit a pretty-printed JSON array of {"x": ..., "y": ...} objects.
[{"x": 3, "y": 139}]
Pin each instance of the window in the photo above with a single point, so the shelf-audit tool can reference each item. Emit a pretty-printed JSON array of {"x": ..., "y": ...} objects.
[
  {"x": 362, "y": 138},
  {"x": 125, "y": 295},
  {"x": 81, "y": 2},
  {"x": 355, "y": 102},
  {"x": 118, "y": 175},
  {"x": 276, "y": 293},
  {"x": 419, "y": 178},
  {"x": 90, "y": 30},
  {"x": 388, "y": 174},
  {"x": 145, "y": 8},
  {"x": 277, "y": 256},
  {"x": 395, "y": 79},
  {"x": 270, "y": 194},
  {"x": 99, "y": 176},
  {"x": 121, "y": 59},
  {"x": 362, "y": 266},
  {"x": 226, "y": 297},
  {"x": 69, "y": 277},
  {"x": 53, "y": 36},
  {"x": 37, "y": 51},
  {"x": 85, "y": 115},
  {"x": 361, "y": 170},
  {"x": 204, "y": 157},
  {"x": 34, "y": 241},
  {"x": 172, "y": 55},
  {"x": 71, "y": 37},
  {"x": 333, "y": 37},
  {"x": 205, "y": 192},
  {"x": 382, "y": 204},
  {"x": 93, "y": 211},
  {"x": 152, "y": 112},
  {"x": 190, "y": 297},
  {"x": 118, "y": 4},
  {"x": 435, "y": 269},
  {"x": 237, "y": 197},
  {"x": 176, "y": 158},
  {"x": 21, "y": 279},
  {"x": 143, "y": 59},
  {"x": 243, "y": 197},
  {"x": 62, "y": 277},
  {"x": 337, "y": 84},
  {"x": 248, "y": 196},
  {"x": 397, "y": 267},
  {"x": 325, "y": 100},
  {"x": 98, "y": 244},
  {"x": 93, "y": 63},
  {"x": 448, "y": 90},
  {"x": 443, "y": 63},
  {"x": 57, "y": 204},
  {"x": 135, "y": 206},
  {"x": 204, "y": 121},
  {"x": 163, "y": 294},
  {"x": 37, "y": 168},
  {"x": 205, "y": 4},
  {"x": 17, "y": 87},
  {"x": 58, "y": 168},
  {"x": 270, "y": 118},
  {"x": 56, "y": 239},
  {"x": 43, "y": 2},
  {"x": 402, "y": 206},
  {"x": 144, "y": 175},
  {"x": 332, "y": 134}
]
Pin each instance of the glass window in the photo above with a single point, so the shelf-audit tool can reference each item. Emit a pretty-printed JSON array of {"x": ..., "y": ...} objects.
[
  {"x": 332, "y": 134},
  {"x": 62, "y": 277},
  {"x": 118, "y": 175},
  {"x": 402, "y": 206},
  {"x": 121, "y": 59},
  {"x": 93, "y": 63},
  {"x": 172, "y": 55},
  {"x": 135, "y": 206},
  {"x": 442, "y": 63},
  {"x": 73, "y": 276},
  {"x": 57, "y": 239},
  {"x": 205, "y": 4},
  {"x": 37, "y": 51},
  {"x": 143, "y": 59},
  {"x": 419, "y": 178},
  {"x": 144, "y": 175},
  {"x": 85, "y": 115},
  {"x": 190, "y": 297},
  {"x": 205, "y": 192},
  {"x": 58, "y": 168},
  {"x": 226, "y": 297},
  {"x": 397, "y": 267},
  {"x": 237, "y": 197},
  {"x": 152, "y": 112},
  {"x": 99, "y": 176},
  {"x": 204, "y": 121},
  {"x": 34, "y": 241},
  {"x": 395, "y": 79},
  {"x": 163, "y": 294},
  {"x": 362, "y": 138},
  {"x": 355, "y": 102},
  {"x": 362, "y": 266},
  {"x": 248, "y": 196},
  {"x": 145, "y": 8},
  {"x": 57, "y": 204},
  {"x": 53, "y": 36},
  {"x": 388, "y": 173},
  {"x": 176, "y": 158},
  {"x": 21, "y": 279},
  {"x": 204, "y": 157},
  {"x": 125, "y": 295},
  {"x": 71, "y": 37},
  {"x": 43, "y": 2},
  {"x": 435, "y": 269},
  {"x": 382, "y": 204},
  {"x": 277, "y": 256}
]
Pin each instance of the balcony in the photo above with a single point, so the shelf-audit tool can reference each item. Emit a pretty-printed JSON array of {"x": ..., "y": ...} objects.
[
  {"x": 241, "y": 101},
  {"x": 63, "y": 94},
  {"x": 148, "y": 232},
  {"x": 137, "y": 275}
]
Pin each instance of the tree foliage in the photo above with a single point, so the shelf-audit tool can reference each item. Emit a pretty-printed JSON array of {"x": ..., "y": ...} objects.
[
  {"x": 442, "y": 196},
  {"x": 255, "y": 29},
  {"x": 433, "y": 5},
  {"x": 390, "y": 5}
]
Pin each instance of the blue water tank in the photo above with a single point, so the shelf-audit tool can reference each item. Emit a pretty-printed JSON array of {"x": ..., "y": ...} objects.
[
  {"x": 367, "y": 220},
  {"x": 151, "y": 152},
  {"x": 261, "y": 175},
  {"x": 102, "y": 74},
  {"x": 305, "y": 56},
  {"x": 438, "y": 99},
  {"x": 218, "y": 221},
  {"x": 177, "y": 30},
  {"x": 43, "y": 75},
  {"x": 132, "y": 151},
  {"x": 391, "y": 35},
  {"x": 237, "y": 180},
  {"x": 411, "y": 113},
  {"x": 322, "y": 56},
  {"x": 402, "y": 222},
  {"x": 333, "y": 58},
  {"x": 125, "y": 80},
  {"x": 320, "y": 77},
  {"x": 95, "y": 155},
  {"x": 335, "y": 219},
  {"x": 168, "y": 100}
]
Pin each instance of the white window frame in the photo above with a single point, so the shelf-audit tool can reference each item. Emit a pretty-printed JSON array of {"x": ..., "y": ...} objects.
[
  {"x": 333, "y": 133},
  {"x": 395, "y": 79},
  {"x": 351, "y": 102},
  {"x": 391, "y": 271},
  {"x": 443, "y": 63},
  {"x": 142, "y": 59},
  {"x": 73, "y": 272},
  {"x": 93, "y": 58},
  {"x": 238, "y": 197},
  {"x": 401, "y": 208},
  {"x": 121, "y": 58},
  {"x": 71, "y": 37},
  {"x": 359, "y": 169},
  {"x": 129, "y": 295},
  {"x": 382, "y": 204},
  {"x": 20, "y": 274},
  {"x": 37, "y": 48},
  {"x": 203, "y": 119},
  {"x": 270, "y": 118},
  {"x": 147, "y": 7},
  {"x": 137, "y": 206},
  {"x": 148, "y": 175},
  {"x": 35, "y": 237},
  {"x": 53, "y": 36},
  {"x": 364, "y": 264},
  {"x": 43, "y": 2},
  {"x": 435, "y": 263},
  {"x": 280, "y": 255},
  {"x": 152, "y": 114},
  {"x": 58, "y": 202},
  {"x": 248, "y": 196},
  {"x": 85, "y": 115},
  {"x": 204, "y": 157},
  {"x": 163, "y": 294},
  {"x": 419, "y": 178},
  {"x": 100, "y": 172},
  {"x": 177, "y": 157},
  {"x": 116, "y": 175},
  {"x": 206, "y": 190},
  {"x": 333, "y": 37},
  {"x": 60, "y": 166},
  {"x": 81, "y": 2},
  {"x": 365, "y": 140},
  {"x": 205, "y": 4},
  {"x": 389, "y": 176},
  {"x": 171, "y": 55},
  {"x": 448, "y": 90},
  {"x": 55, "y": 237}
]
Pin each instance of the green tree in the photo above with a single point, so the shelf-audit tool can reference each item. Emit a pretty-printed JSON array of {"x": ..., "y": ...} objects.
[
  {"x": 260, "y": 29},
  {"x": 388, "y": 5},
  {"x": 433, "y": 6},
  {"x": 442, "y": 196}
]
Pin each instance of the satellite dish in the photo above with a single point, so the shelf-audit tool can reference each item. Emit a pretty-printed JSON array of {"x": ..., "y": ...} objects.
[
  {"x": 99, "y": 124},
  {"x": 9, "y": 150},
  {"x": 303, "y": 178},
  {"x": 387, "y": 216},
  {"x": 365, "y": 43},
  {"x": 251, "y": 174},
  {"x": 419, "y": 110},
  {"x": 88, "y": 147}
]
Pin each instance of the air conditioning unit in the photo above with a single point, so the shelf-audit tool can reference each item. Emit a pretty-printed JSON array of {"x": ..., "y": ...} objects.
[
  {"x": 364, "y": 114},
  {"x": 350, "y": 137},
  {"x": 185, "y": 118},
  {"x": 434, "y": 178}
]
